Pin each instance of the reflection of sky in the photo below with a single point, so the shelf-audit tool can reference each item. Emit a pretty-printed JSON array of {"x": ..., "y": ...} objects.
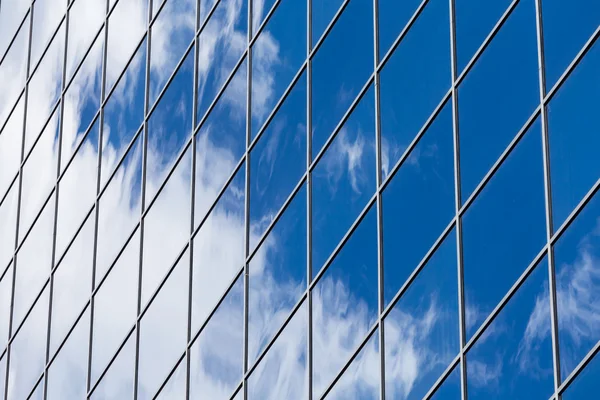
[{"x": 503, "y": 228}]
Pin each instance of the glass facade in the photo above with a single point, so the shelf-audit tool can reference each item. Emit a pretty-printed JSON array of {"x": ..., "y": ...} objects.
[{"x": 299, "y": 199}]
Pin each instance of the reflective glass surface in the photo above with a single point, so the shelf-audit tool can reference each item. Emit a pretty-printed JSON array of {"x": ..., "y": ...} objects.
[{"x": 271, "y": 199}]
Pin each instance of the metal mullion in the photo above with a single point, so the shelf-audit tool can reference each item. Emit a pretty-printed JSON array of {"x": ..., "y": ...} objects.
[
  {"x": 378, "y": 176},
  {"x": 187, "y": 352},
  {"x": 548, "y": 200},
  {"x": 144, "y": 178},
  {"x": 247, "y": 198},
  {"x": 18, "y": 217},
  {"x": 309, "y": 319},
  {"x": 56, "y": 200}
]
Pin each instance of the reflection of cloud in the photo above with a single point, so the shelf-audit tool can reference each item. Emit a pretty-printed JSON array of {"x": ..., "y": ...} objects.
[
  {"x": 484, "y": 375},
  {"x": 345, "y": 156}
]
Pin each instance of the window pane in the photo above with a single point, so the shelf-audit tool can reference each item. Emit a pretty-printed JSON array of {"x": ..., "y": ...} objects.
[
  {"x": 322, "y": 14},
  {"x": 577, "y": 266},
  {"x": 421, "y": 331},
  {"x": 504, "y": 229},
  {"x": 5, "y": 299},
  {"x": 344, "y": 303},
  {"x": 513, "y": 357},
  {"x": 14, "y": 65},
  {"x": 582, "y": 17},
  {"x": 118, "y": 381},
  {"x": 414, "y": 81},
  {"x": 282, "y": 373},
  {"x": 85, "y": 19},
  {"x": 450, "y": 389},
  {"x": 175, "y": 387},
  {"x": 277, "y": 275},
  {"x": 586, "y": 385},
  {"x": 216, "y": 356},
  {"x": 341, "y": 67},
  {"x": 573, "y": 126},
  {"x": 11, "y": 137},
  {"x": 343, "y": 180},
  {"x": 418, "y": 203},
  {"x": 498, "y": 96},
  {"x": 277, "y": 55},
  {"x": 278, "y": 160},
  {"x": 393, "y": 17},
  {"x": 8, "y": 216}
]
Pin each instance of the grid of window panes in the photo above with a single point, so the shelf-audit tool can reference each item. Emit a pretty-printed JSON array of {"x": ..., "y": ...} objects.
[{"x": 299, "y": 199}]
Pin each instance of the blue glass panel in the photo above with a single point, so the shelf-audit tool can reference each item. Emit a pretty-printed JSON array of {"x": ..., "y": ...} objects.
[
  {"x": 220, "y": 46},
  {"x": 573, "y": 126},
  {"x": 281, "y": 374},
  {"x": 278, "y": 161},
  {"x": 277, "y": 55},
  {"x": 421, "y": 331},
  {"x": 169, "y": 127},
  {"x": 216, "y": 355},
  {"x": 418, "y": 203},
  {"x": 581, "y": 17},
  {"x": 260, "y": 9},
  {"x": 498, "y": 96},
  {"x": 586, "y": 385},
  {"x": 340, "y": 68},
  {"x": 513, "y": 357},
  {"x": 322, "y": 14},
  {"x": 277, "y": 275},
  {"x": 344, "y": 303},
  {"x": 474, "y": 22},
  {"x": 450, "y": 389},
  {"x": 414, "y": 81},
  {"x": 393, "y": 17},
  {"x": 577, "y": 255},
  {"x": 504, "y": 229},
  {"x": 343, "y": 180}
]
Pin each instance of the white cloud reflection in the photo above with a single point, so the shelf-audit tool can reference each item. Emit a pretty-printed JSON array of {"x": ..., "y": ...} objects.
[{"x": 218, "y": 251}]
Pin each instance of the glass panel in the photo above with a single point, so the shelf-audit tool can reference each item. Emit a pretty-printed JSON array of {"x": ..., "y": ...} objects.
[
  {"x": 163, "y": 330},
  {"x": 582, "y": 17},
  {"x": 393, "y": 17},
  {"x": 169, "y": 127},
  {"x": 119, "y": 209},
  {"x": 343, "y": 180},
  {"x": 340, "y": 67},
  {"x": 418, "y": 203},
  {"x": 38, "y": 393},
  {"x": 516, "y": 347},
  {"x": 123, "y": 113},
  {"x": 277, "y": 55},
  {"x": 361, "y": 380},
  {"x": 322, "y": 14},
  {"x": 172, "y": 33},
  {"x": 72, "y": 283},
  {"x": 126, "y": 25},
  {"x": 498, "y": 96},
  {"x": 474, "y": 21},
  {"x": 11, "y": 137},
  {"x": 573, "y": 124},
  {"x": 170, "y": 214},
  {"x": 508, "y": 214},
  {"x": 2, "y": 370},
  {"x": 77, "y": 190},
  {"x": 8, "y": 216},
  {"x": 175, "y": 387},
  {"x": 345, "y": 303},
  {"x": 217, "y": 261},
  {"x": 115, "y": 307},
  {"x": 577, "y": 255},
  {"x": 28, "y": 351},
  {"x": 82, "y": 101},
  {"x": 278, "y": 161},
  {"x": 282, "y": 373},
  {"x": 10, "y": 18},
  {"x": 277, "y": 276},
  {"x": 68, "y": 372},
  {"x": 216, "y": 356},
  {"x": 5, "y": 299},
  {"x": 85, "y": 19},
  {"x": 220, "y": 144},
  {"x": 118, "y": 381},
  {"x": 421, "y": 331},
  {"x": 260, "y": 9},
  {"x": 450, "y": 388},
  {"x": 47, "y": 15},
  {"x": 14, "y": 65},
  {"x": 39, "y": 175},
  {"x": 220, "y": 46},
  {"x": 44, "y": 90},
  {"x": 414, "y": 81},
  {"x": 33, "y": 264},
  {"x": 586, "y": 385}
]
